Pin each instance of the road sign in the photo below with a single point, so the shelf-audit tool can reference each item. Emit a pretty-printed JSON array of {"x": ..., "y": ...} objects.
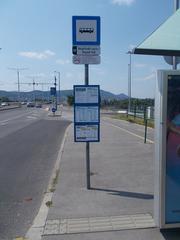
[
  {"x": 86, "y": 30},
  {"x": 79, "y": 59},
  {"x": 54, "y": 109},
  {"x": 53, "y": 91},
  {"x": 86, "y": 50}
]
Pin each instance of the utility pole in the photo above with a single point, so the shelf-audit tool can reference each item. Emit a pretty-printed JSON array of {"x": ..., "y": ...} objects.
[
  {"x": 59, "y": 85},
  {"x": 129, "y": 81},
  {"x": 176, "y": 7},
  {"x": 18, "y": 73}
]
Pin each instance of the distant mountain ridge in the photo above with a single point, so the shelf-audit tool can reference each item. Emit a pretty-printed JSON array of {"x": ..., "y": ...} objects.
[{"x": 13, "y": 95}]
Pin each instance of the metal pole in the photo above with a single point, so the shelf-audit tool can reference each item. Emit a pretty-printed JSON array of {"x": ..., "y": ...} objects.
[
  {"x": 88, "y": 174},
  {"x": 34, "y": 91},
  {"x": 145, "y": 134},
  {"x": 59, "y": 87},
  {"x": 18, "y": 73},
  {"x": 129, "y": 81},
  {"x": 18, "y": 86},
  {"x": 176, "y": 7},
  {"x": 56, "y": 91}
]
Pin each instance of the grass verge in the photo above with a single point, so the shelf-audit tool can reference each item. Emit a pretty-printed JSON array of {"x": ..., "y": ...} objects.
[
  {"x": 54, "y": 182},
  {"x": 132, "y": 119}
]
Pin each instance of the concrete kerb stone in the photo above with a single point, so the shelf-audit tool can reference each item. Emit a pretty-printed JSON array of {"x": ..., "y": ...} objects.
[{"x": 36, "y": 230}]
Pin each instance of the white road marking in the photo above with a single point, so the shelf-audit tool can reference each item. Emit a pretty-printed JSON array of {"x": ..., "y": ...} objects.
[
  {"x": 148, "y": 140},
  {"x": 3, "y": 124},
  {"x": 13, "y": 118},
  {"x": 31, "y": 117}
]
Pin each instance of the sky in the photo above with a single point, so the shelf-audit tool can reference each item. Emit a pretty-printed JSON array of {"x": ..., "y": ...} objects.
[{"x": 37, "y": 35}]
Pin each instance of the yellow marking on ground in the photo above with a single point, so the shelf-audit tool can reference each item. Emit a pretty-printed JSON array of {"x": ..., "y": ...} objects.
[
  {"x": 147, "y": 140},
  {"x": 20, "y": 238}
]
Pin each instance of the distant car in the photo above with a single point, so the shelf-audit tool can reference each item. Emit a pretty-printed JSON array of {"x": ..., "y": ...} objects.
[
  {"x": 23, "y": 103},
  {"x": 4, "y": 104},
  {"x": 38, "y": 105},
  {"x": 30, "y": 104}
]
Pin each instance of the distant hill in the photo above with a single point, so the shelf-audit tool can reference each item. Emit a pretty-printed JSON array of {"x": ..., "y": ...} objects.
[{"x": 13, "y": 96}]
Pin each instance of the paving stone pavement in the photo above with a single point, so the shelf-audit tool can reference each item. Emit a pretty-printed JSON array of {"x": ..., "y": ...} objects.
[{"x": 119, "y": 205}]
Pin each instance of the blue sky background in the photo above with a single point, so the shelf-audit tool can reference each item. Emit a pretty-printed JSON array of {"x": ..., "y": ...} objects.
[{"x": 37, "y": 34}]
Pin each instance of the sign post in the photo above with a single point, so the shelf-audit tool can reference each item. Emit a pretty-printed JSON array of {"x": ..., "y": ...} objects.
[
  {"x": 88, "y": 171},
  {"x": 86, "y": 50},
  {"x": 87, "y": 117},
  {"x": 54, "y": 99}
]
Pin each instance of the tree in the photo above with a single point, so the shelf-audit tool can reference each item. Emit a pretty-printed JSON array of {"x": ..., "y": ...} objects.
[{"x": 70, "y": 100}]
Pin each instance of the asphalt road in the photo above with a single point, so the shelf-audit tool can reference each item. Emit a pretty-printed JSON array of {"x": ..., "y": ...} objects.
[{"x": 29, "y": 144}]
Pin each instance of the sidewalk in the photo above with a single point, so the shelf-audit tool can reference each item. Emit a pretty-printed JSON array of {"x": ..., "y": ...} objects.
[{"x": 121, "y": 196}]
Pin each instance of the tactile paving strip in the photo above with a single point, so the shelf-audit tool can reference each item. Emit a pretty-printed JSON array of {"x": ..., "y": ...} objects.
[{"x": 98, "y": 224}]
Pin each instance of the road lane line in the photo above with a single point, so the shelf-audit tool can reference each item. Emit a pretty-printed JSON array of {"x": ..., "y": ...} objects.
[
  {"x": 13, "y": 118},
  {"x": 148, "y": 140}
]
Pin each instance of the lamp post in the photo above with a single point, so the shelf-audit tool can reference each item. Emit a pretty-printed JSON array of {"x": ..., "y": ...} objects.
[{"x": 129, "y": 81}]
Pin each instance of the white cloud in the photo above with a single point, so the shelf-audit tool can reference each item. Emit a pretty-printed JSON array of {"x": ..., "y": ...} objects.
[
  {"x": 37, "y": 55},
  {"x": 123, "y": 2},
  {"x": 49, "y": 52},
  {"x": 62, "y": 61}
]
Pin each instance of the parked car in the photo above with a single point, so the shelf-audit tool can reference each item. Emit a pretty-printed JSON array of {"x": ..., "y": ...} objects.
[
  {"x": 38, "y": 105},
  {"x": 4, "y": 104},
  {"x": 23, "y": 103},
  {"x": 30, "y": 104}
]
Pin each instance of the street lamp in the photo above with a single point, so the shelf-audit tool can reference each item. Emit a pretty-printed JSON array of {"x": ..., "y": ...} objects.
[{"x": 129, "y": 81}]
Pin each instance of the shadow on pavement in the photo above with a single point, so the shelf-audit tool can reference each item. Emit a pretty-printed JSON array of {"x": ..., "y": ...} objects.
[
  {"x": 171, "y": 234},
  {"x": 125, "y": 194}
]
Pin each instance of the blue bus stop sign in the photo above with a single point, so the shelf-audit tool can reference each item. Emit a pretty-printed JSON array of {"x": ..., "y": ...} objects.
[{"x": 86, "y": 30}]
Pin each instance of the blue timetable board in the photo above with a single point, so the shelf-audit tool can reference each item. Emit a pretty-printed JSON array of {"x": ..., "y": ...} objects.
[
  {"x": 86, "y": 30},
  {"x": 86, "y": 113}
]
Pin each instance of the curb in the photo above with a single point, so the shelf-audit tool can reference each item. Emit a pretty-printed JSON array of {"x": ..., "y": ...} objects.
[{"x": 36, "y": 230}]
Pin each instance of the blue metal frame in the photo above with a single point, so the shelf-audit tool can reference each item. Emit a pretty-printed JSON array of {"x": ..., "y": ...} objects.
[
  {"x": 98, "y": 38},
  {"x": 87, "y": 105}
]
